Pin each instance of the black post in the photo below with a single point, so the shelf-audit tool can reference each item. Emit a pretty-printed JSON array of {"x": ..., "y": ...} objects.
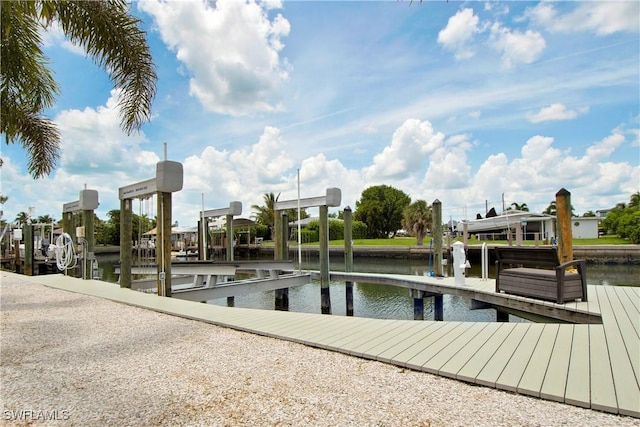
[
  {"x": 348, "y": 257},
  {"x": 282, "y": 295},
  {"x": 28, "y": 249},
  {"x": 438, "y": 308},
  {"x": 418, "y": 304},
  {"x": 325, "y": 296}
]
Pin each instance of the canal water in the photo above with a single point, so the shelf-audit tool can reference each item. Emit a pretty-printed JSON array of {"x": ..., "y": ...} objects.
[{"x": 389, "y": 302}]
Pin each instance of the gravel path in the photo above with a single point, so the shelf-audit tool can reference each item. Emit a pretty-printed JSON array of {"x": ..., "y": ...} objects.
[{"x": 85, "y": 361}]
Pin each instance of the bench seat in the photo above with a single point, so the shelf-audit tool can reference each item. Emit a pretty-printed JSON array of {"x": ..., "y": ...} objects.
[{"x": 553, "y": 282}]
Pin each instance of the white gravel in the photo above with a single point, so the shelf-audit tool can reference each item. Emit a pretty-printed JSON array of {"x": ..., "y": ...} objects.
[{"x": 93, "y": 362}]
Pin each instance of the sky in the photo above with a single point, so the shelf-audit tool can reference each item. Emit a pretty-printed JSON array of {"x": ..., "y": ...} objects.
[{"x": 475, "y": 104}]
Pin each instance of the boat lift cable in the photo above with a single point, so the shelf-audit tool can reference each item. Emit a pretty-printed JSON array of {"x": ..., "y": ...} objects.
[{"x": 65, "y": 252}]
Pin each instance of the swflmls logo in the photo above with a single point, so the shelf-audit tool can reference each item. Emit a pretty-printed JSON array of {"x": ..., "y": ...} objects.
[{"x": 36, "y": 415}]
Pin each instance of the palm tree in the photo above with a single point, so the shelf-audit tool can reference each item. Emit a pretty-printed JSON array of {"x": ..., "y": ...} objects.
[
  {"x": 265, "y": 214},
  {"x": 108, "y": 34},
  {"x": 418, "y": 217},
  {"x": 634, "y": 202},
  {"x": 22, "y": 218},
  {"x": 515, "y": 206},
  {"x": 551, "y": 209}
]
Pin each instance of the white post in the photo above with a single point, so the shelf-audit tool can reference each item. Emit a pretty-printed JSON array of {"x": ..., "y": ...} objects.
[
  {"x": 458, "y": 263},
  {"x": 485, "y": 262},
  {"x": 204, "y": 243}
]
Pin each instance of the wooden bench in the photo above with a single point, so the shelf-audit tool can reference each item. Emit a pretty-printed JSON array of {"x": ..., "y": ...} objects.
[{"x": 537, "y": 273}]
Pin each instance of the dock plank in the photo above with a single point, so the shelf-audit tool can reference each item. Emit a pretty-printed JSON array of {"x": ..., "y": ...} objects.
[
  {"x": 434, "y": 360},
  {"x": 370, "y": 339},
  {"x": 363, "y": 334},
  {"x": 578, "y": 388},
  {"x": 495, "y": 365},
  {"x": 375, "y": 349},
  {"x": 391, "y": 352},
  {"x": 555, "y": 379},
  {"x": 443, "y": 333},
  {"x": 457, "y": 361},
  {"x": 603, "y": 390},
  {"x": 474, "y": 366},
  {"x": 624, "y": 376},
  {"x": 631, "y": 310},
  {"x": 533, "y": 375},
  {"x": 633, "y": 296},
  {"x": 512, "y": 373}
]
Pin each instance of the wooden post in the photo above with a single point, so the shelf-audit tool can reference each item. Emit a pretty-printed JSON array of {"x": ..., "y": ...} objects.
[
  {"x": 563, "y": 212},
  {"x": 282, "y": 294},
  {"x": 465, "y": 234},
  {"x": 16, "y": 249},
  {"x": 501, "y": 316},
  {"x": 164, "y": 242},
  {"x": 348, "y": 257},
  {"x": 231, "y": 300},
  {"x": 88, "y": 221},
  {"x": 202, "y": 242},
  {"x": 518, "y": 234},
  {"x": 231, "y": 239},
  {"x": 28, "y": 249},
  {"x": 126, "y": 245},
  {"x": 277, "y": 235},
  {"x": 418, "y": 304},
  {"x": 437, "y": 238},
  {"x": 438, "y": 308},
  {"x": 325, "y": 298},
  {"x": 66, "y": 223}
]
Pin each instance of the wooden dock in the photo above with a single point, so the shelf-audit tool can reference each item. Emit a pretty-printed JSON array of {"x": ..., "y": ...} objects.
[{"x": 591, "y": 365}]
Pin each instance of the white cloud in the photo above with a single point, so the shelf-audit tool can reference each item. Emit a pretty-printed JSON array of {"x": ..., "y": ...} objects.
[
  {"x": 601, "y": 18},
  {"x": 231, "y": 50},
  {"x": 448, "y": 165},
  {"x": 459, "y": 32},
  {"x": 542, "y": 169},
  {"x": 410, "y": 145},
  {"x": 54, "y": 36},
  {"x": 555, "y": 112},
  {"x": 516, "y": 47},
  {"x": 92, "y": 141}
]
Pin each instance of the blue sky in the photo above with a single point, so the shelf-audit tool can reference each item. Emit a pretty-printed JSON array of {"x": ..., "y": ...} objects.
[{"x": 464, "y": 102}]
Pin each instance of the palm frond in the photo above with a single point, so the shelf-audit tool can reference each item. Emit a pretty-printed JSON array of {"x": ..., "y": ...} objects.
[{"x": 113, "y": 39}]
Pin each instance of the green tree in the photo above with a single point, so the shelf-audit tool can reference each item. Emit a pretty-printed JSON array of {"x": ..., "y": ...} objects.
[
  {"x": 553, "y": 210},
  {"x": 519, "y": 207},
  {"x": 265, "y": 214},
  {"x": 380, "y": 207},
  {"x": 107, "y": 33},
  {"x": 45, "y": 219},
  {"x": 589, "y": 214},
  {"x": 624, "y": 220},
  {"x": 418, "y": 217},
  {"x": 22, "y": 218}
]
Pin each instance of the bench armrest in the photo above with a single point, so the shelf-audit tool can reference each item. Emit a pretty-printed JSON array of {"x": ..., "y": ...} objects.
[{"x": 579, "y": 263}]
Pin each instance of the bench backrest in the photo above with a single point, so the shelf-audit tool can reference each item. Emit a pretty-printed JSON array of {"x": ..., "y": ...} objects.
[{"x": 527, "y": 256}]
